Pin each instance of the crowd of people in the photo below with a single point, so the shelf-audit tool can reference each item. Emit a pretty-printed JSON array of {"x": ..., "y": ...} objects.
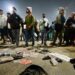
[{"x": 62, "y": 29}]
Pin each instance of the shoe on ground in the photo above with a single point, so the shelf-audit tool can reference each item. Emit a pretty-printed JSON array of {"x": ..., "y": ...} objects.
[
  {"x": 72, "y": 61},
  {"x": 46, "y": 58}
]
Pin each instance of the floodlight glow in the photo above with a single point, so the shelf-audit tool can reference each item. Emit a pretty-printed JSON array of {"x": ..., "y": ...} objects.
[{"x": 10, "y": 8}]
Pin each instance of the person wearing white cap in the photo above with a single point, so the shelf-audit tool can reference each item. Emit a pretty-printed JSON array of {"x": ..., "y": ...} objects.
[
  {"x": 28, "y": 27},
  {"x": 29, "y": 9},
  {"x": 69, "y": 35},
  {"x": 59, "y": 25}
]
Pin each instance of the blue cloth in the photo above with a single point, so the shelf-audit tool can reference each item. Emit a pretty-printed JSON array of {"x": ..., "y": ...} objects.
[
  {"x": 44, "y": 36},
  {"x": 29, "y": 34}
]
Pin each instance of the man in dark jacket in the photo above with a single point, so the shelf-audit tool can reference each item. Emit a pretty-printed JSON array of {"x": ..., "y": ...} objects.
[
  {"x": 15, "y": 21},
  {"x": 69, "y": 35}
]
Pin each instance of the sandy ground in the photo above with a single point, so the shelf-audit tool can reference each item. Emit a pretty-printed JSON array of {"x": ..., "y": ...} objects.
[{"x": 65, "y": 68}]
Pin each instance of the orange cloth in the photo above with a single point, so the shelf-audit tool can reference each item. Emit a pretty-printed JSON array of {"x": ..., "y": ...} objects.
[{"x": 25, "y": 61}]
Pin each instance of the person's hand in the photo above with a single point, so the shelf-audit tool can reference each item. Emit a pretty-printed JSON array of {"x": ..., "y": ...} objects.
[
  {"x": 43, "y": 21},
  {"x": 65, "y": 26},
  {"x": 29, "y": 26}
]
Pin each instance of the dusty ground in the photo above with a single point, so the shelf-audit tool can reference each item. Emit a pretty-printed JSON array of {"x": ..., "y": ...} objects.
[{"x": 11, "y": 68}]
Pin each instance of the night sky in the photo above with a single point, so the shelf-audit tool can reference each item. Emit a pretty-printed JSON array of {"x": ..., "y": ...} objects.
[{"x": 39, "y": 6}]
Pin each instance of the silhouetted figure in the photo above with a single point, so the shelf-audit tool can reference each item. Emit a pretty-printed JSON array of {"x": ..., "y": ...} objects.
[
  {"x": 15, "y": 21},
  {"x": 69, "y": 36},
  {"x": 59, "y": 26},
  {"x": 9, "y": 30}
]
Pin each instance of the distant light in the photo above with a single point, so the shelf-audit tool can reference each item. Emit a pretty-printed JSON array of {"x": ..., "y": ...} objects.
[{"x": 10, "y": 8}]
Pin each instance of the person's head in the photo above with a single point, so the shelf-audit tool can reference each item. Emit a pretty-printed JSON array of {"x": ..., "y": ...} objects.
[
  {"x": 8, "y": 14},
  {"x": 29, "y": 10},
  {"x": 61, "y": 10},
  {"x": 1, "y": 12},
  {"x": 14, "y": 10},
  {"x": 73, "y": 15},
  {"x": 43, "y": 15}
]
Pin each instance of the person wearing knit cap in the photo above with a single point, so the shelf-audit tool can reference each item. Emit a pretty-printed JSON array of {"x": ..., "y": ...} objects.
[
  {"x": 15, "y": 22},
  {"x": 69, "y": 34},
  {"x": 59, "y": 25},
  {"x": 14, "y": 8},
  {"x": 28, "y": 27}
]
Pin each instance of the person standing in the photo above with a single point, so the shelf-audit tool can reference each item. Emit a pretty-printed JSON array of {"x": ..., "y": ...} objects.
[
  {"x": 59, "y": 26},
  {"x": 44, "y": 27},
  {"x": 9, "y": 30},
  {"x": 29, "y": 26},
  {"x": 15, "y": 21},
  {"x": 69, "y": 35},
  {"x": 36, "y": 30},
  {"x": 3, "y": 21}
]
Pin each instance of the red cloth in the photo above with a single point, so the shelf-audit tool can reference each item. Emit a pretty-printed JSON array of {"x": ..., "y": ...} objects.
[{"x": 25, "y": 61}]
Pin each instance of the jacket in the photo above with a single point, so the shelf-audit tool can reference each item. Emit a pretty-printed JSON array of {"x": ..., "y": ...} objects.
[{"x": 15, "y": 21}]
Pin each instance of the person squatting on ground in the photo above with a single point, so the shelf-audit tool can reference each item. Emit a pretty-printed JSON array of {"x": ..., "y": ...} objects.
[
  {"x": 69, "y": 35},
  {"x": 28, "y": 26},
  {"x": 59, "y": 26},
  {"x": 44, "y": 28},
  {"x": 3, "y": 21}
]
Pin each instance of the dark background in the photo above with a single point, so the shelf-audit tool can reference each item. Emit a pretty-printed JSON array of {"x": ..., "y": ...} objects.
[{"x": 39, "y": 6}]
